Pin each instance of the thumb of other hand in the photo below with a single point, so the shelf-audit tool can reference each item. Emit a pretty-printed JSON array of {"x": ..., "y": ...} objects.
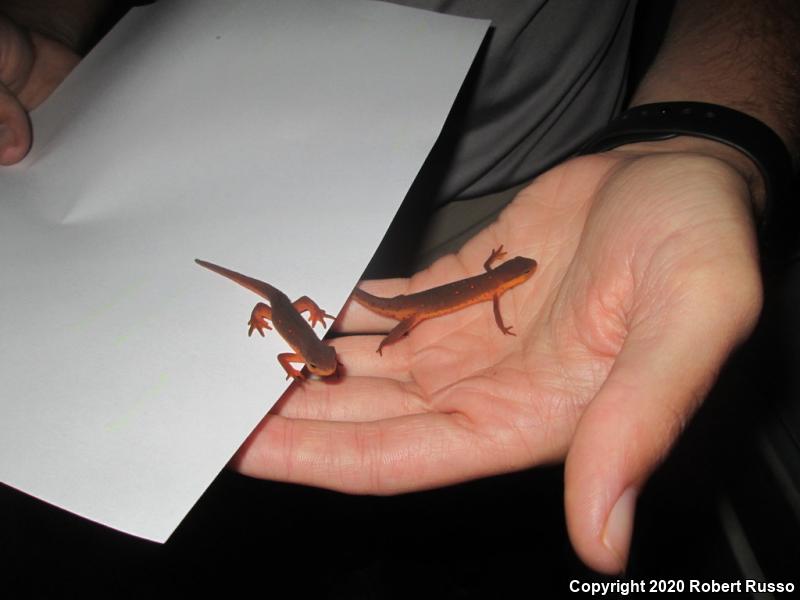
[{"x": 31, "y": 67}]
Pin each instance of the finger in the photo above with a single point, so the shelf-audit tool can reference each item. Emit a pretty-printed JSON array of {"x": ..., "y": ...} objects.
[
  {"x": 15, "y": 130},
  {"x": 16, "y": 65},
  {"x": 377, "y": 457},
  {"x": 656, "y": 383},
  {"x": 16, "y": 56},
  {"x": 53, "y": 63},
  {"x": 352, "y": 399}
]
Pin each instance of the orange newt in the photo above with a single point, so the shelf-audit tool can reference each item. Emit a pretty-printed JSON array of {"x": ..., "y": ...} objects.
[
  {"x": 415, "y": 308},
  {"x": 289, "y": 323}
]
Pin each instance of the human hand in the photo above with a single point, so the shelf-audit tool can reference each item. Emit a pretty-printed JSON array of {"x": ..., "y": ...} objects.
[
  {"x": 31, "y": 67},
  {"x": 647, "y": 278}
]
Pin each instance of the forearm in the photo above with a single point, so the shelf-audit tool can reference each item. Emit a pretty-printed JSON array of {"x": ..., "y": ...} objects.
[
  {"x": 71, "y": 22},
  {"x": 736, "y": 53}
]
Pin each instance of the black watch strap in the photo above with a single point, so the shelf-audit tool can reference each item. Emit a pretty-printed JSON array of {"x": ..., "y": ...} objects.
[{"x": 665, "y": 120}]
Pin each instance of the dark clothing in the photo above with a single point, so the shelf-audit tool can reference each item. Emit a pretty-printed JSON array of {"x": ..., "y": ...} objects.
[{"x": 551, "y": 73}]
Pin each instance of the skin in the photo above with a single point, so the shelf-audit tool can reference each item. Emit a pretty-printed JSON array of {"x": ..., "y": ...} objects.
[
  {"x": 649, "y": 278},
  {"x": 40, "y": 43},
  {"x": 411, "y": 310},
  {"x": 287, "y": 318}
]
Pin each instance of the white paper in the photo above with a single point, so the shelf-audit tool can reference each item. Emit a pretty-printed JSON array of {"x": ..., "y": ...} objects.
[{"x": 276, "y": 138}]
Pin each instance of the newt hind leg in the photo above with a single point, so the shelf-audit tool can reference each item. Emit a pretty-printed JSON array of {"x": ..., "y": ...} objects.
[
  {"x": 401, "y": 329},
  {"x": 259, "y": 319}
]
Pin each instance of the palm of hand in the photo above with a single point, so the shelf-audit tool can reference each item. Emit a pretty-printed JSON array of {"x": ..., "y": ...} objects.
[{"x": 647, "y": 277}]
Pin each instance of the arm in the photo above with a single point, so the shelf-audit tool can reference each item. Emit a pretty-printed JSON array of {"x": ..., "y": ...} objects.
[{"x": 739, "y": 54}]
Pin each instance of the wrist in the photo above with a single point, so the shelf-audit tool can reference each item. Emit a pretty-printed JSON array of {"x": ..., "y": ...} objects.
[
  {"x": 733, "y": 158},
  {"x": 751, "y": 143}
]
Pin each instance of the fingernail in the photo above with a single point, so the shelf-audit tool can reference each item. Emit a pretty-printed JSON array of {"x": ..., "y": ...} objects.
[{"x": 619, "y": 527}]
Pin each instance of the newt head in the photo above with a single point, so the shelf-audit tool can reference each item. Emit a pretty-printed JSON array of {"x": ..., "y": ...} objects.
[
  {"x": 515, "y": 271},
  {"x": 321, "y": 360}
]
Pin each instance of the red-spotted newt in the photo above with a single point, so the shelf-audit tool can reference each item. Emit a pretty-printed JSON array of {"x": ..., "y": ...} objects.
[
  {"x": 415, "y": 308},
  {"x": 287, "y": 318}
]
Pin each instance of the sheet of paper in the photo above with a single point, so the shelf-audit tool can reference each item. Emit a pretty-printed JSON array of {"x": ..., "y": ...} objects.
[{"x": 276, "y": 138}]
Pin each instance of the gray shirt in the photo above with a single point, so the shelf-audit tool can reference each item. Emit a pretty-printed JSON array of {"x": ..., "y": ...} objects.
[{"x": 550, "y": 73}]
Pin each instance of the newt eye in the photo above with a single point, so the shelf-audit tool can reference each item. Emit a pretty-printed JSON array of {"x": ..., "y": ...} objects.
[{"x": 312, "y": 365}]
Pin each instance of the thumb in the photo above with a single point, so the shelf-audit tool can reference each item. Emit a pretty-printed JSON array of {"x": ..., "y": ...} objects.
[
  {"x": 16, "y": 63},
  {"x": 31, "y": 67},
  {"x": 15, "y": 129},
  {"x": 658, "y": 379}
]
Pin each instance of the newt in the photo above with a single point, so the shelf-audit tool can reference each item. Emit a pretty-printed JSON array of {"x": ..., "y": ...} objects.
[
  {"x": 412, "y": 309},
  {"x": 287, "y": 318}
]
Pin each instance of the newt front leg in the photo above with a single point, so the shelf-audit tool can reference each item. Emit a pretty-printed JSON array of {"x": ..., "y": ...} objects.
[
  {"x": 315, "y": 313},
  {"x": 495, "y": 255},
  {"x": 286, "y": 359}
]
